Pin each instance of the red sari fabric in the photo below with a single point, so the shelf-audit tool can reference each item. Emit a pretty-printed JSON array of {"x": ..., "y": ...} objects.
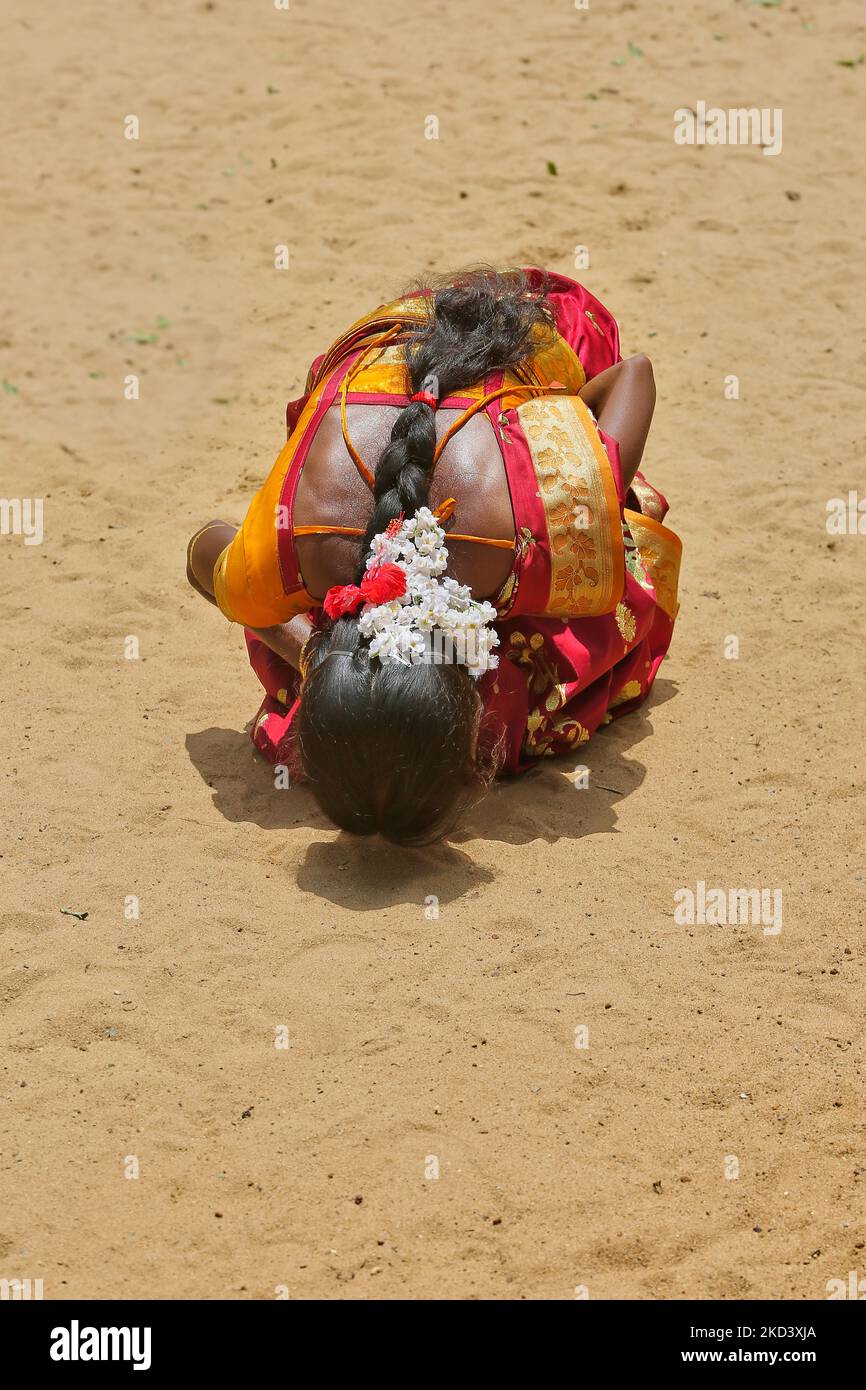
[
  {"x": 559, "y": 677},
  {"x": 558, "y": 680}
]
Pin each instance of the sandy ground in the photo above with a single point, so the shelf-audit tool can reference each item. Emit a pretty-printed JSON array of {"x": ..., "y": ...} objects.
[{"x": 608, "y": 1168}]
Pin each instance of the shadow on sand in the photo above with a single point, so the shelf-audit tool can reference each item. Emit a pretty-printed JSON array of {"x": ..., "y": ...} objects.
[{"x": 367, "y": 875}]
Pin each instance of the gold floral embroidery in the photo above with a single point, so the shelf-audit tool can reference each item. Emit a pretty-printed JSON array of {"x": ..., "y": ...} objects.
[
  {"x": 572, "y": 729},
  {"x": 545, "y": 736},
  {"x": 648, "y": 499},
  {"x": 660, "y": 550},
  {"x": 626, "y": 622},
  {"x": 525, "y": 541},
  {"x": 505, "y": 599},
  {"x": 534, "y": 722},
  {"x": 576, "y": 488},
  {"x": 540, "y": 675},
  {"x": 633, "y": 562},
  {"x": 630, "y": 691},
  {"x": 542, "y": 679},
  {"x": 556, "y": 699}
]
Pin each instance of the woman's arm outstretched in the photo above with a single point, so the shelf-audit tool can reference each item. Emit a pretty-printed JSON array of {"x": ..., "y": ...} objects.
[
  {"x": 622, "y": 399},
  {"x": 203, "y": 551}
]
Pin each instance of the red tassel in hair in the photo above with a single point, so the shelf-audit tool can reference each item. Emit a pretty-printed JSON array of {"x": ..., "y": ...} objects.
[
  {"x": 379, "y": 585},
  {"x": 382, "y": 583},
  {"x": 342, "y": 598}
]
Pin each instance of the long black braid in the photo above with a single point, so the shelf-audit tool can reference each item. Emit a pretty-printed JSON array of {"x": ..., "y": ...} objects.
[
  {"x": 483, "y": 323},
  {"x": 387, "y": 747}
]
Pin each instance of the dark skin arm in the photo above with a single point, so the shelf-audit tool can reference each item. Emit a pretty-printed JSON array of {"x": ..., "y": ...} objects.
[
  {"x": 205, "y": 548},
  {"x": 287, "y": 639},
  {"x": 202, "y": 553},
  {"x": 623, "y": 398}
]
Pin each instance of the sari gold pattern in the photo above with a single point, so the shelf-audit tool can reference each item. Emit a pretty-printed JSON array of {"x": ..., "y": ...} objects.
[
  {"x": 543, "y": 731},
  {"x": 540, "y": 675},
  {"x": 649, "y": 500},
  {"x": 576, "y": 487},
  {"x": 661, "y": 551},
  {"x": 625, "y": 621},
  {"x": 630, "y": 691}
]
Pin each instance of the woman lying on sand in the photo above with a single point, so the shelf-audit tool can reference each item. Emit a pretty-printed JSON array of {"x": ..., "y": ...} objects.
[{"x": 454, "y": 567}]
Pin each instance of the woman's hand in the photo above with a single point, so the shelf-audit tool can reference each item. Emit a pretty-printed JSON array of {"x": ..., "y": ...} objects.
[
  {"x": 622, "y": 399},
  {"x": 287, "y": 639},
  {"x": 202, "y": 553}
]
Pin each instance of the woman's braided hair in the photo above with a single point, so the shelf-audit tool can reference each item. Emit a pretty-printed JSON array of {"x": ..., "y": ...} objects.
[
  {"x": 387, "y": 747},
  {"x": 480, "y": 323}
]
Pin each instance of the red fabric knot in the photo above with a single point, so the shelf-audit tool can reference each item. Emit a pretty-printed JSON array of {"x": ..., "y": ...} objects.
[{"x": 427, "y": 397}]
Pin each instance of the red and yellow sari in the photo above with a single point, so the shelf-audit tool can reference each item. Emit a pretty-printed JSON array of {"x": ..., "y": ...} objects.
[{"x": 587, "y": 613}]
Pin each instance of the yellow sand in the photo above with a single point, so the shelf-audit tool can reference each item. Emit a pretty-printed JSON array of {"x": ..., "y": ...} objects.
[{"x": 412, "y": 1039}]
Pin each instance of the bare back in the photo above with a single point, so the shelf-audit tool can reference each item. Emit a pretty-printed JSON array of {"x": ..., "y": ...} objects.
[{"x": 331, "y": 492}]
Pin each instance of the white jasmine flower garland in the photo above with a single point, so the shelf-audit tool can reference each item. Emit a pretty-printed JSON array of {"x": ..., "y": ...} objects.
[{"x": 434, "y": 615}]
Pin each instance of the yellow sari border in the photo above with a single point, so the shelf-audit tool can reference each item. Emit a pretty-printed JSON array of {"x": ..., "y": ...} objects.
[
  {"x": 661, "y": 551},
  {"x": 578, "y": 493},
  {"x": 248, "y": 580}
]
